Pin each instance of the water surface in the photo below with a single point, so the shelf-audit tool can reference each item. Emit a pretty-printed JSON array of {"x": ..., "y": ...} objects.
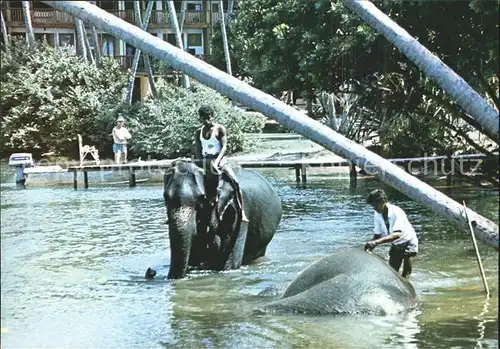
[{"x": 73, "y": 265}]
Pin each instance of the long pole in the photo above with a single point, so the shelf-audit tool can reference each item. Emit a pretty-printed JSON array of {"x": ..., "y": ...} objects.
[
  {"x": 478, "y": 257},
  {"x": 286, "y": 115}
]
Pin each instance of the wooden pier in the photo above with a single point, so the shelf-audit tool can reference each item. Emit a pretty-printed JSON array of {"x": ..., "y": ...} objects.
[{"x": 300, "y": 166}]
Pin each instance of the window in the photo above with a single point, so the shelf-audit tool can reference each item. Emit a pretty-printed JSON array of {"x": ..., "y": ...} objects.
[
  {"x": 45, "y": 36},
  {"x": 193, "y": 7},
  {"x": 194, "y": 39},
  {"x": 66, "y": 39},
  {"x": 107, "y": 5},
  {"x": 171, "y": 39},
  {"x": 215, "y": 7},
  {"x": 108, "y": 48}
]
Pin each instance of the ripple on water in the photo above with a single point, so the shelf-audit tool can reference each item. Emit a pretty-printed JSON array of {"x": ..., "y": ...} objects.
[{"x": 73, "y": 265}]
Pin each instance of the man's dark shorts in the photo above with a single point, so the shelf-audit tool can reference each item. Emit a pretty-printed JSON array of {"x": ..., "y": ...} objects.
[{"x": 397, "y": 254}]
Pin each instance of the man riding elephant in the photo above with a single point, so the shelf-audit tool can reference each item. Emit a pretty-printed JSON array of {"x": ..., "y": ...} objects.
[{"x": 210, "y": 149}]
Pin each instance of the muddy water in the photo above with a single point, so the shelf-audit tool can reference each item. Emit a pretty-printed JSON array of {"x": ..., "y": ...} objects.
[{"x": 73, "y": 264}]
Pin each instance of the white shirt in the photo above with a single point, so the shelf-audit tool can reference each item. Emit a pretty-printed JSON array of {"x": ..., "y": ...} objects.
[
  {"x": 211, "y": 146},
  {"x": 397, "y": 222},
  {"x": 120, "y": 135}
]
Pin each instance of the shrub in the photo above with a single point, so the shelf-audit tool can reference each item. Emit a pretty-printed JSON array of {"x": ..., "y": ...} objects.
[
  {"x": 164, "y": 127},
  {"x": 49, "y": 95}
]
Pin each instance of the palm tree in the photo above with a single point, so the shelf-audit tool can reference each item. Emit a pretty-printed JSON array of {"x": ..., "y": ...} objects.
[
  {"x": 95, "y": 39},
  {"x": 145, "y": 57},
  {"x": 287, "y": 116},
  {"x": 224, "y": 38},
  {"x": 4, "y": 33},
  {"x": 178, "y": 39},
  {"x": 30, "y": 37},
  {"x": 135, "y": 63},
  {"x": 230, "y": 6},
  {"x": 87, "y": 45},
  {"x": 446, "y": 78},
  {"x": 80, "y": 38},
  {"x": 183, "y": 16}
]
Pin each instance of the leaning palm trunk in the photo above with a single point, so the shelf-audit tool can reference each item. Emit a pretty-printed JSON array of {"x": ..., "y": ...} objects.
[
  {"x": 224, "y": 37},
  {"x": 30, "y": 37},
  {"x": 173, "y": 20},
  {"x": 287, "y": 116},
  {"x": 137, "y": 55},
  {"x": 81, "y": 40},
  {"x": 446, "y": 78},
  {"x": 4, "y": 33}
]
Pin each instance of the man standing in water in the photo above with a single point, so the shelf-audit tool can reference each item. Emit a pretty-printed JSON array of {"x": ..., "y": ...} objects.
[
  {"x": 120, "y": 140},
  {"x": 392, "y": 225},
  {"x": 210, "y": 148}
]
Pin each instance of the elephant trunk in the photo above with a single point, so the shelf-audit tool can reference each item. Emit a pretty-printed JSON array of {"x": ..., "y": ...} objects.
[{"x": 182, "y": 227}]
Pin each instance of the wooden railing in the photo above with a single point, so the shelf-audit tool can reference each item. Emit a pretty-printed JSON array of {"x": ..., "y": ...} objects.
[
  {"x": 45, "y": 16},
  {"x": 51, "y": 16},
  {"x": 16, "y": 15}
]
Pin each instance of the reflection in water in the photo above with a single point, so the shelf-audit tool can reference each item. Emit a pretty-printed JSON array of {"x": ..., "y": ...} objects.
[
  {"x": 73, "y": 264},
  {"x": 482, "y": 321}
]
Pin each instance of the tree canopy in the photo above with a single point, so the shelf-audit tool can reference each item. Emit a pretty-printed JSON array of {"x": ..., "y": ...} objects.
[{"x": 318, "y": 47}]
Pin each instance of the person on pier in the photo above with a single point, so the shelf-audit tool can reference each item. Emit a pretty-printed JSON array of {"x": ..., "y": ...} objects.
[
  {"x": 121, "y": 136},
  {"x": 392, "y": 225}
]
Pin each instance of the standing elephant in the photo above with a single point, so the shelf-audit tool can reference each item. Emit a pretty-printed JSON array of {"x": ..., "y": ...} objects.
[
  {"x": 213, "y": 236},
  {"x": 347, "y": 282}
]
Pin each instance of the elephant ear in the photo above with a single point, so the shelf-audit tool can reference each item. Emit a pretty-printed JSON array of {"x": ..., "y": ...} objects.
[
  {"x": 168, "y": 175},
  {"x": 198, "y": 178},
  {"x": 226, "y": 193}
]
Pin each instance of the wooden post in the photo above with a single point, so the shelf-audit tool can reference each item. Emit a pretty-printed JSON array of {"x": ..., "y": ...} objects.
[
  {"x": 297, "y": 174},
  {"x": 353, "y": 175},
  {"x": 75, "y": 180},
  {"x": 85, "y": 180},
  {"x": 304, "y": 173},
  {"x": 478, "y": 257},
  {"x": 131, "y": 179}
]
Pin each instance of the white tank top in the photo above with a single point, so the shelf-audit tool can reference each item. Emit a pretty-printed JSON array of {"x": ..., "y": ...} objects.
[{"x": 210, "y": 146}]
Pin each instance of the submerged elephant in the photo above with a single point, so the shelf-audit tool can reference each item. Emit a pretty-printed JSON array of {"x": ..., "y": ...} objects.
[
  {"x": 347, "y": 282},
  {"x": 214, "y": 236}
]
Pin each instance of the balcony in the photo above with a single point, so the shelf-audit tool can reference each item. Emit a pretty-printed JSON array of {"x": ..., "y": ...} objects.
[
  {"x": 126, "y": 63},
  {"x": 40, "y": 17},
  {"x": 159, "y": 18}
]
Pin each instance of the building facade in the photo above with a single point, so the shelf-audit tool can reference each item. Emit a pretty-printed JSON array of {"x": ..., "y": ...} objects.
[{"x": 58, "y": 28}]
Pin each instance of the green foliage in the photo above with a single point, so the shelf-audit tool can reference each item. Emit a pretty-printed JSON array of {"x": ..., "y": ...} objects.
[
  {"x": 321, "y": 47},
  {"x": 297, "y": 45},
  {"x": 49, "y": 95},
  {"x": 164, "y": 127},
  {"x": 217, "y": 57}
]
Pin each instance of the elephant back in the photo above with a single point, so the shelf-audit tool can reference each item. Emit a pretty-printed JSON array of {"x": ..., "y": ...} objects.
[{"x": 369, "y": 267}]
